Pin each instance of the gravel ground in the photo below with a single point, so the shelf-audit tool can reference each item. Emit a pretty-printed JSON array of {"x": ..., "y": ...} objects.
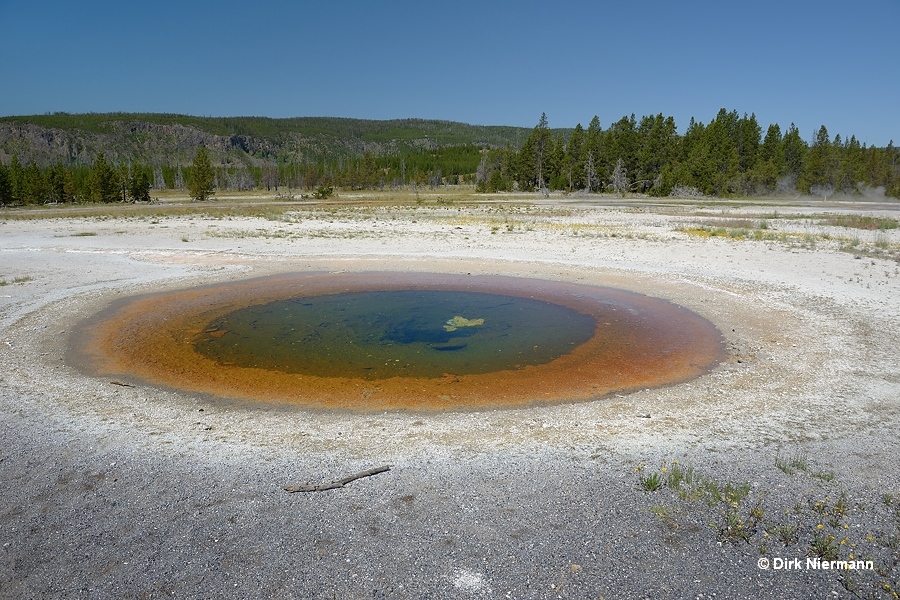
[{"x": 112, "y": 491}]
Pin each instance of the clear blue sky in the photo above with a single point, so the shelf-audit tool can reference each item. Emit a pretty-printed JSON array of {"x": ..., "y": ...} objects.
[{"x": 481, "y": 62}]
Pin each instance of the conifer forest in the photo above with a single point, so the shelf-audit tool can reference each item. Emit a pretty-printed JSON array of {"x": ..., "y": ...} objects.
[{"x": 65, "y": 158}]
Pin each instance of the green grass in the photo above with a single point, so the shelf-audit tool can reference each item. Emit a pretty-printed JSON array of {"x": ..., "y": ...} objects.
[
  {"x": 861, "y": 222},
  {"x": 651, "y": 482},
  {"x": 786, "y": 533},
  {"x": 17, "y": 280},
  {"x": 790, "y": 465},
  {"x": 665, "y": 513},
  {"x": 826, "y": 521},
  {"x": 735, "y": 229}
]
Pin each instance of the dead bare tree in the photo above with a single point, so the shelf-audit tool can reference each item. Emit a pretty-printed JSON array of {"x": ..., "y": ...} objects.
[
  {"x": 620, "y": 177},
  {"x": 481, "y": 175}
]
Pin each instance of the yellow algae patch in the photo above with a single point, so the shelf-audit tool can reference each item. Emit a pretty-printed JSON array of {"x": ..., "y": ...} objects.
[{"x": 458, "y": 321}]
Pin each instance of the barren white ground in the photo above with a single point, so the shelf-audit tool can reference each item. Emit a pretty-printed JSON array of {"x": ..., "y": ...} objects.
[{"x": 112, "y": 490}]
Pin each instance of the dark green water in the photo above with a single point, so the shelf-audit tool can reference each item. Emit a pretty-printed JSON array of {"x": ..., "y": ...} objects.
[{"x": 376, "y": 335}]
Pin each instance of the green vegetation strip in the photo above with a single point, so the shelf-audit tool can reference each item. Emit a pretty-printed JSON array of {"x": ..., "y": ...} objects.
[{"x": 825, "y": 523}]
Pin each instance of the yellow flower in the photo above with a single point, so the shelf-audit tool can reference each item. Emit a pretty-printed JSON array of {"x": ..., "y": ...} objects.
[{"x": 819, "y": 526}]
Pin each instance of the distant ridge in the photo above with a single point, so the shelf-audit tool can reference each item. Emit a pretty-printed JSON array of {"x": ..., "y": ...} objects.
[{"x": 165, "y": 138}]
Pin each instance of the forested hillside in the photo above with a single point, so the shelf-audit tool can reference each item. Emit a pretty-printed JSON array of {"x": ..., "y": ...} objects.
[
  {"x": 729, "y": 156},
  {"x": 119, "y": 157}
]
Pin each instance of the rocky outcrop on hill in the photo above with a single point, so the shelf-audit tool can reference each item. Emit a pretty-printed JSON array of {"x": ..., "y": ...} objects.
[
  {"x": 173, "y": 139},
  {"x": 146, "y": 142}
]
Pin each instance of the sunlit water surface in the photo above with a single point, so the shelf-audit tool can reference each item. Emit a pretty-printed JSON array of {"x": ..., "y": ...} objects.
[{"x": 381, "y": 334}]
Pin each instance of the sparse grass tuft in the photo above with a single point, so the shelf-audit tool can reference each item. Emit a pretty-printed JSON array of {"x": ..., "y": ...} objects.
[
  {"x": 823, "y": 475},
  {"x": 666, "y": 515},
  {"x": 680, "y": 476},
  {"x": 786, "y": 533},
  {"x": 16, "y": 280},
  {"x": 651, "y": 482},
  {"x": 824, "y": 547},
  {"x": 827, "y": 526},
  {"x": 790, "y": 465},
  {"x": 862, "y": 222}
]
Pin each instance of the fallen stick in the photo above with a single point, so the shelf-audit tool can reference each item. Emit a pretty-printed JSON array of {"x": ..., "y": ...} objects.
[
  {"x": 336, "y": 484},
  {"x": 121, "y": 383}
]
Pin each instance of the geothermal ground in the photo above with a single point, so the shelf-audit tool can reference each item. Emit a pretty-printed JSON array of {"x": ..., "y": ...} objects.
[{"x": 784, "y": 455}]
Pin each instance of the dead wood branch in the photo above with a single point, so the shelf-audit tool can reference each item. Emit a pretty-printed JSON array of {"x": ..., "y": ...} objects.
[{"x": 336, "y": 484}]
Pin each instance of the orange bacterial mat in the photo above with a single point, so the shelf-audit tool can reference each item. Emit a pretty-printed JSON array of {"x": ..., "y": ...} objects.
[{"x": 407, "y": 341}]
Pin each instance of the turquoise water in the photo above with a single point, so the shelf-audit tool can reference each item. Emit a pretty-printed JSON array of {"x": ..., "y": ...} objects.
[{"x": 409, "y": 333}]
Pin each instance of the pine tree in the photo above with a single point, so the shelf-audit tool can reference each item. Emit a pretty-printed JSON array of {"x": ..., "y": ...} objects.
[
  {"x": 16, "y": 179},
  {"x": 70, "y": 187},
  {"x": 5, "y": 187},
  {"x": 202, "y": 181},
  {"x": 795, "y": 150},
  {"x": 554, "y": 164},
  {"x": 747, "y": 142},
  {"x": 541, "y": 143},
  {"x": 590, "y": 172},
  {"x": 56, "y": 179},
  {"x": 139, "y": 184},
  {"x": 770, "y": 164},
  {"x": 369, "y": 170},
  {"x": 658, "y": 147},
  {"x": 771, "y": 149},
  {"x": 593, "y": 142},
  {"x": 575, "y": 159},
  {"x": 35, "y": 187},
  {"x": 817, "y": 174},
  {"x": 104, "y": 182}
]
